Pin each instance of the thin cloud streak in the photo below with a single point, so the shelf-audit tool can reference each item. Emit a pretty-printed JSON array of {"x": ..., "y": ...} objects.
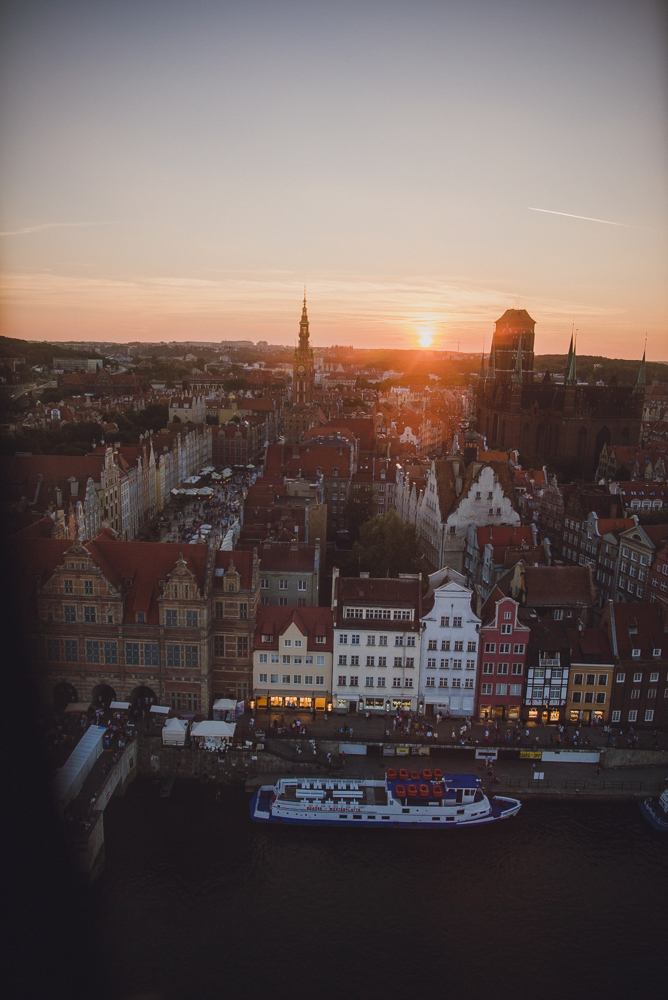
[
  {"x": 54, "y": 225},
  {"x": 586, "y": 218}
]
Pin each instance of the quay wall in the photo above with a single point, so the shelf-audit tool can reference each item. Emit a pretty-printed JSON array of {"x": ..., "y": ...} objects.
[{"x": 634, "y": 758}]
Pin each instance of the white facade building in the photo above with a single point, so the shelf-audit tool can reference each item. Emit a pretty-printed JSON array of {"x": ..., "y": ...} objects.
[
  {"x": 450, "y": 639},
  {"x": 376, "y": 652}
]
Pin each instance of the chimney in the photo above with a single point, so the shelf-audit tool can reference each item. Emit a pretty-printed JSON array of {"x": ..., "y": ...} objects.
[{"x": 74, "y": 486}]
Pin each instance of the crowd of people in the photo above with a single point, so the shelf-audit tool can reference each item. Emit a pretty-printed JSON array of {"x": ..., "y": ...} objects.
[{"x": 222, "y": 510}]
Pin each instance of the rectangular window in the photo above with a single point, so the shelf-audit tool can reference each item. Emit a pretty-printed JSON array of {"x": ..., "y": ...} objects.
[
  {"x": 398, "y": 640},
  {"x": 501, "y": 689},
  {"x": 504, "y": 647},
  {"x": 591, "y": 679},
  {"x": 343, "y": 660},
  {"x": 502, "y": 668},
  {"x": 506, "y": 629},
  {"x": 518, "y": 647},
  {"x": 192, "y": 619},
  {"x": 459, "y": 646},
  {"x": 397, "y": 661},
  {"x": 576, "y": 697},
  {"x": 431, "y": 682},
  {"x": 490, "y": 647},
  {"x": 488, "y": 668},
  {"x": 283, "y": 602},
  {"x": 151, "y": 656},
  {"x": 296, "y": 678},
  {"x": 518, "y": 669},
  {"x": 285, "y": 659},
  {"x": 577, "y": 678},
  {"x": 89, "y": 614},
  {"x": 285, "y": 678},
  {"x": 92, "y": 651},
  {"x": 368, "y": 682},
  {"x": 320, "y": 661},
  {"x": 53, "y": 650},
  {"x": 649, "y": 715},
  {"x": 71, "y": 651},
  {"x": 633, "y": 715},
  {"x": 516, "y": 690},
  {"x": 88, "y": 588},
  {"x": 219, "y": 645},
  {"x": 342, "y": 680},
  {"x": 171, "y": 617},
  {"x": 445, "y": 621},
  {"x": 603, "y": 680},
  {"x": 301, "y": 584},
  {"x": 111, "y": 652},
  {"x": 616, "y": 715},
  {"x": 600, "y": 697},
  {"x": 69, "y": 613},
  {"x": 192, "y": 656},
  {"x": 264, "y": 583},
  {"x": 637, "y": 678},
  {"x": 620, "y": 678},
  {"x": 68, "y": 586},
  {"x": 651, "y": 693},
  {"x": 173, "y": 655},
  {"x": 242, "y": 646},
  {"x": 370, "y": 661},
  {"x": 262, "y": 658},
  {"x": 653, "y": 678},
  {"x": 354, "y": 640},
  {"x": 635, "y": 693},
  {"x": 470, "y": 647},
  {"x": 354, "y": 680},
  {"x": 486, "y": 688},
  {"x": 380, "y": 682},
  {"x": 319, "y": 680},
  {"x": 382, "y": 661},
  {"x": 343, "y": 638},
  {"x": 262, "y": 679},
  {"x": 273, "y": 658},
  {"x": 274, "y": 678},
  {"x": 282, "y": 584},
  {"x": 456, "y": 623}
]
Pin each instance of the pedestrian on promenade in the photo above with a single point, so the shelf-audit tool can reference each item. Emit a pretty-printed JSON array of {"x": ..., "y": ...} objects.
[
  {"x": 343, "y": 758},
  {"x": 329, "y": 757}
]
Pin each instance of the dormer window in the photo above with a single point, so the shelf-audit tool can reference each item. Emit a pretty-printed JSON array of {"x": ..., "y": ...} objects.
[
  {"x": 335, "y": 472},
  {"x": 635, "y": 653},
  {"x": 656, "y": 652},
  {"x": 266, "y": 637},
  {"x": 141, "y": 617}
]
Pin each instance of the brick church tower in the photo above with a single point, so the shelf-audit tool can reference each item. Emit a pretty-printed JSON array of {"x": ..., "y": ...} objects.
[{"x": 548, "y": 420}]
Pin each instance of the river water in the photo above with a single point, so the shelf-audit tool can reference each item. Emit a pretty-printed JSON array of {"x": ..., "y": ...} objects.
[{"x": 566, "y": 900}]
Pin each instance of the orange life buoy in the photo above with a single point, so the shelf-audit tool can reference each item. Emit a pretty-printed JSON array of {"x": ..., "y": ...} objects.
[
  {"x": 437, "y": 791},
  {"x": 438, "y": 774},
  {"x": 412, "y": 790},
  {"x": 403, "y": 774},
  {"x": 415, "y": 775},
  {"x": 426, "y": 774},
  {"x": 400, "y": 791},
  {"x": 391, "y": 774}
]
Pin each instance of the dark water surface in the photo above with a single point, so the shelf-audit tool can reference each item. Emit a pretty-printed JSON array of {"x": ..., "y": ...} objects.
[{"x": 567, "y": 900}]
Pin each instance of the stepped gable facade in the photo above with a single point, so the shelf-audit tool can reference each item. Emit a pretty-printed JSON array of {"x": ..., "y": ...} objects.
[
  {"x": 548, "y": 419},
  {"x": 136, "y": 621}
]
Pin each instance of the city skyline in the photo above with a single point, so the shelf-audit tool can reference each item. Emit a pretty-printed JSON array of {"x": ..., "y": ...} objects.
[{"x": 179, "y": 173}]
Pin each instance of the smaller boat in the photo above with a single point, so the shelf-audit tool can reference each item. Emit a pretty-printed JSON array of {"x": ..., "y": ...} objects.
[{"x": 655, "y": 811}]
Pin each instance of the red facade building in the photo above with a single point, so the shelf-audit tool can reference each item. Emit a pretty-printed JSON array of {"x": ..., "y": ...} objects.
[{"x": 502, "y": 664}]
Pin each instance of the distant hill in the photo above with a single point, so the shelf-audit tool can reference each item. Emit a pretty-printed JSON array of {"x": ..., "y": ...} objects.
[
  {"x": 626, "y": 371},
  {"x": 39, "y": 353}
]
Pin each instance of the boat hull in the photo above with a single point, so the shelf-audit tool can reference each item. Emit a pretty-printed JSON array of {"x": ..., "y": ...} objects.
[
  {"x": 658, "y": 819},
  {"x": 502, "y": 808}
]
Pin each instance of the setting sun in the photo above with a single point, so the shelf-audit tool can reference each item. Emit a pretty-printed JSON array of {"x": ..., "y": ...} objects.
[{"x": 425, "y": 336}]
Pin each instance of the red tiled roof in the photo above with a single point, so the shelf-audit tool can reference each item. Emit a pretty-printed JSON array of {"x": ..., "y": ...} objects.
[
  {"x": 504, "y": 534},
  {"x": 558, "y": 585},
  {"x": 311, "y": 622},
  {"x": 590, "y": 643},
  {"x": 286, "y": 559},
  {"x": 647, "y": 621}
]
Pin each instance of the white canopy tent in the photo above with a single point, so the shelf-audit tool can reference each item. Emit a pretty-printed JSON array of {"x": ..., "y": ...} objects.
[
  {"x": 78, "y": 706},
  {"x": 69, "y": 780},
  {"x": 215, "y": 728},
  {"x": 160, "y": 709},
  {"x": 224, "y": 705},
  {"x": 174, "y": 732},
  {"x": 121, "y": 706}
]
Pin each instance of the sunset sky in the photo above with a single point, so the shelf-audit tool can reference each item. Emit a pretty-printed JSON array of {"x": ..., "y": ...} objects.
[{"x": 181, "y": 168}]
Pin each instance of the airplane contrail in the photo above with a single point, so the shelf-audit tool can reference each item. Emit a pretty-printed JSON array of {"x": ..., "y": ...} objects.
[
  {"x": 586, "y": 218},
  {"x": 52, "y": 225}
]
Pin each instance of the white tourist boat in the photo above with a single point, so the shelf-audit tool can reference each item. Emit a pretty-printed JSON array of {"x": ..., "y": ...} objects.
[
  {"x": 404, "y": 799},
  {"x": 655, "y": 811}
]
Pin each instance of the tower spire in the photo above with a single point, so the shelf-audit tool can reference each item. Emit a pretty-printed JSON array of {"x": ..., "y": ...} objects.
[
  {"x": 640, "y": 381},
  {"x": 571, "y": 374},
  {"x": 568, "y": 359},
  {"x": 482, "y": 361}
]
